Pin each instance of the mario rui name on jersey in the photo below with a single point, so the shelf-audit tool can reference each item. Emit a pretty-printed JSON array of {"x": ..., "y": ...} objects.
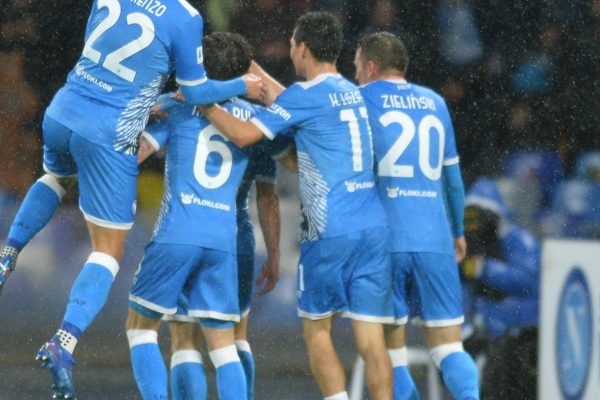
[{"x": 154, "y": 7}]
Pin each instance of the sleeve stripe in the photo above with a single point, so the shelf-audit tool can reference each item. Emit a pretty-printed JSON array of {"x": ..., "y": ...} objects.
[
  {"x": 450, "y": 161},
  {"x": 191, "y": 83},
  {"x": 263, "y": 128},
  {"x": 151, "y": 139}
]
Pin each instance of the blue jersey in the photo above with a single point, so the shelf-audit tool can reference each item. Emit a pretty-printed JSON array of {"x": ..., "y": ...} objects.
[
  {"x": 328, "y": 119},
  {"x": 202, "y": 174},
  {"x": 413, "y": 140},
  {"x": 131, "y": 47}
]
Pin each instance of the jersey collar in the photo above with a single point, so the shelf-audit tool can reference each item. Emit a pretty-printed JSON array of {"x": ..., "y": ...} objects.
[{"x": 318, "y": 79}]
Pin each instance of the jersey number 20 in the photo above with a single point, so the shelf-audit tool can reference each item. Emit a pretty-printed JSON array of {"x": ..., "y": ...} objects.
[
  {"x": 388, "y": 166},
  {"x": 112, "y": 62}
]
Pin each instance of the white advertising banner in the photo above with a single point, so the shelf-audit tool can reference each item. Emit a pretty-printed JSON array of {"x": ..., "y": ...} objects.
[{"x": 569, "y": 361}]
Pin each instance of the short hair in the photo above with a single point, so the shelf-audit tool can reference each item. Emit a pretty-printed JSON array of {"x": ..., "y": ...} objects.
[
  {"x": 386, "y": 49},
  {"x": 322, "y": 33},
  {"x": 228, "y": 55}
]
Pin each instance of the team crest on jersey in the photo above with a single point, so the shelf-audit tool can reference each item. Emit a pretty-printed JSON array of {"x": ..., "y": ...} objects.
[
  {"x": 392, "y": 192},
  {"x": 200, "y": 55}
]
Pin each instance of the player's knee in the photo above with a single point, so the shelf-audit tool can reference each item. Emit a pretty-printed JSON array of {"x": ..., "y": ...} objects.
[
  {"x": 60, "y": 186},
  {"x": 137, "y": 337},
  {"x": 439, "y": 353}
]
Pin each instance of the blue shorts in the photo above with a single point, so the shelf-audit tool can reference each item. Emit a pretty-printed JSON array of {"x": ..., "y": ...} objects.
[
  {"x": 427, "y": 287},
  {"x": 245, "y": 261},
  {"x": 207, "y": 279},
  {"x": 349, "y": 275},
  {"x": 107, "y": 179}
]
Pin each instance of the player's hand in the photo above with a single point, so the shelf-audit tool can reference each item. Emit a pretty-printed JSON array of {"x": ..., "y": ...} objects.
[
  {"x": 460, "y": 249},
  {"x": 269, "y": 275},
  {"x": 255, "y": 88}
]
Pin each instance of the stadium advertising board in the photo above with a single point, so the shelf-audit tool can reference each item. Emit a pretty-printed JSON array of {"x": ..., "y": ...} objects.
[{"x": 569, "y": 353}]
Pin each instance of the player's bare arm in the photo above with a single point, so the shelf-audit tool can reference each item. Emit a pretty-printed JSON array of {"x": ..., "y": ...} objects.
[
  {"x": 242, "y": 133},
  {"x": 272, "y": 87},
  {"x": 267, "y": 203}
]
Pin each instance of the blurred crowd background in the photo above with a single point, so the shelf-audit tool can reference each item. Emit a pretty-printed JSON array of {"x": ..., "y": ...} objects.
[{"x": 521, "y": 79}]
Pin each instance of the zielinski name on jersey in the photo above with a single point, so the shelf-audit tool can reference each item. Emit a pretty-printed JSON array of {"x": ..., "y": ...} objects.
[
  {"x": 410, "y": 102},
  {"x": 188, "y": 199}
]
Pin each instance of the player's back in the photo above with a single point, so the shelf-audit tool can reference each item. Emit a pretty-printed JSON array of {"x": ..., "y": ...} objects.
[
  {"x": 413, "y": 140},
  {"x": 337, "y": 182},
  {"x": 127, "y": 56},
  {"x": 202, "y": 177}
]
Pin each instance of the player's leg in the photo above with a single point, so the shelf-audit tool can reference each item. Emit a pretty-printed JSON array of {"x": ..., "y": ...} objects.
[
  {"x": 404, "y": 385},
  {"x": 231, "y": 379},
  {"x": 188, "y": 378},
  {"x": 439, "y": 296},
  {"x": 245, "y": 354},
  {"x": 213, "y": 297},
  {"x": 370, "y": 306},
  {"x": 245, "y": 262},
  {"x": 148, "y": 366},
  {"x": 370, "y": 344},
  {"x": 107, "y": 185},
  {"x": 321, "y": 290},
  {"x": 156, "y": 290},
  {"x": 324, "y": 362},
  {"x": 457, "y": 366},
  {"x": 43, "y": 197}
]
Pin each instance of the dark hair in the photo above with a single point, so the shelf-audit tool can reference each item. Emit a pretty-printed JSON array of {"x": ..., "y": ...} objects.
[
  {"x": 227, "y": 55},
  {"x": 322, "y": 33},
  {"x": 385, "y": 49}
]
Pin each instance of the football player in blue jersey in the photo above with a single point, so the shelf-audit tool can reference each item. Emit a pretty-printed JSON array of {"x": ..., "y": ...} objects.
[
  {"x": 344, "y": 262},
  {"x": 188, "y": 379},
  {"x": 418, "y": 170},
  {"x": 198, "y": 259},
  {"x": 91, "y": 130}
]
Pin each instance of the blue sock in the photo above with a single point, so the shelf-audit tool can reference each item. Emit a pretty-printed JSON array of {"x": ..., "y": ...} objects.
[
  {"x": 149, "y": 368},
  {"x": 90, "y": 290},
  {"x": 35, "y": 212},
  {"x": 231, "y": 380},
  {"x": 404, "y": 385},
  {"x": 458, "y": 370},
  {"x": 245, "y": 354},
  {"x": 188, "y": 379}
]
